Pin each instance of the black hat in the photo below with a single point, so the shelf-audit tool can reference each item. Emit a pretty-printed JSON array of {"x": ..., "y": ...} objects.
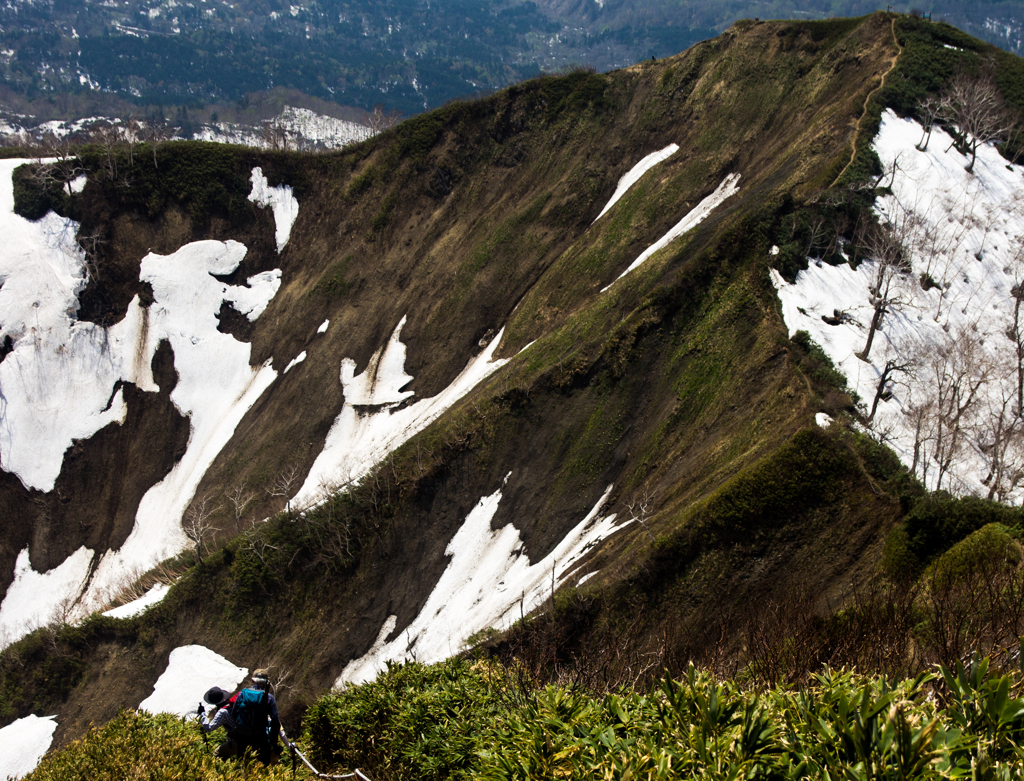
[{"x": 216, "y": 696}]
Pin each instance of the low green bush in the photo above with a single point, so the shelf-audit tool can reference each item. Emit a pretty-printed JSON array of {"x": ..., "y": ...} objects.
[
  {"x": 462, "y": 719},
  {"x": 939, "y": 521},
  {"x": 414, "y": 721},
  {"x": 140, "y": 746},
  {"x": 991, "y": 544}
]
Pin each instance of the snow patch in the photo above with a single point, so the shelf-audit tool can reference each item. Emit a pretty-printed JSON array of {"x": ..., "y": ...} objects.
[
  {"x": 35, "y": 599},
  {"x": 489, "y": 582},
  {"x": 191, "y": 671},
  {"x": 253, "y": 300},
  {"x": 635, "y": 173},
  {"x": 371, "y": 424},
  {"x": 295, "y": 361},
  {"x": 323, "y": 327},
  {"x": 697, "y": 215},
  {"x": 281, "y": 199},
  {"x": 140, "y": 605},
  {"x": 823, "y": 419},
  {"x": 23, "y": 743},
  {"x": 55, "y": 359}
]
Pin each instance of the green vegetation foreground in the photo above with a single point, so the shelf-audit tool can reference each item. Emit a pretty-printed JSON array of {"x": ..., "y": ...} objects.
[{"x": 461, "y": 719}]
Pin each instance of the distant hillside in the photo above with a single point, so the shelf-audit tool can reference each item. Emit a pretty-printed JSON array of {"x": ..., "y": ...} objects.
[{"x": 512, "y": 375}]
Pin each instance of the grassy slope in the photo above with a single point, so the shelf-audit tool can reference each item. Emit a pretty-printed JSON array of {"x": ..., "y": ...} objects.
[{"x": 679, "y": 382}]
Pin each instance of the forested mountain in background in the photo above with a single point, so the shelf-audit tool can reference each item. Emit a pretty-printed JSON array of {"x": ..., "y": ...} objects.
[{"x": 62, "y": 59}]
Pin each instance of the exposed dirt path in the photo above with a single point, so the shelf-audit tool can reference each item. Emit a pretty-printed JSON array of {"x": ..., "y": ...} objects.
[{"x": 867, "y": 100}]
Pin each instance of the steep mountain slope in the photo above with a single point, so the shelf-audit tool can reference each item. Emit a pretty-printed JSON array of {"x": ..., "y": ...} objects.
[{"x": 453, "y": 288}]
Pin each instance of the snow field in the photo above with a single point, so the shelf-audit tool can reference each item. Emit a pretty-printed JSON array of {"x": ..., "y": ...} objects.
[
  {"x": 34, "y": 600},
  {"x": 216, "y": 387},
  {"x": 57, "y": 383},
  {"x": 301, "y": 127},
  {"x": 489, "y": 582},
  {"x": 55, "y": 358},
  {"x": 965, "y": 233}
]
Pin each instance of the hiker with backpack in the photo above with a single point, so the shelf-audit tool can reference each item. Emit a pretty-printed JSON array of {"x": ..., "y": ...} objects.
[{"x": 249, "y": 717}]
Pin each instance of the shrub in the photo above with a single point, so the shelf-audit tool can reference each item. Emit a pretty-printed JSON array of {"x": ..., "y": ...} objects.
[
  {"x": 816, "y": 364},
  {"x": 414, "y": 721},
  {"x": 138, "y": 745},
  {"x": 939, "y": 521}
]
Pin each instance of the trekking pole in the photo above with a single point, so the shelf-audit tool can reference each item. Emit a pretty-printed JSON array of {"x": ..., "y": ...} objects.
[
  {"x": 295, "y": 751},
  {"x": 199, "y": 725}
]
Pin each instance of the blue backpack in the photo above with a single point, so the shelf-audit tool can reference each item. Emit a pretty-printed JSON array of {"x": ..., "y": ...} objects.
[{"x": 250, "y": 712}]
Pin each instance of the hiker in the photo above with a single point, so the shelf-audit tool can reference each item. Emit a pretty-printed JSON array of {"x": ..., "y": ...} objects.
[{"x": 249, "y": 717}]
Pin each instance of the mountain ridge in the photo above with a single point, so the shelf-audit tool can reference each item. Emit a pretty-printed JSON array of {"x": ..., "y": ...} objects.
[{"x": 678, "y": 385}]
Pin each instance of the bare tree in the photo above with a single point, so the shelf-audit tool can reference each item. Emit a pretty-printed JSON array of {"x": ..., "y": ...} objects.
[
  {"x": 921, "y": 414},
  {"x": 640, "y": 510},
  {"x": 239, "y": 498},
  {"x": 198, "y": 525},
  {"x": 257, "y": 544},
  {"x": 957, "y": 373},
  {"x": 1000, "y": 440},
  {"x": 1015, "y": 329},
  {"x": 282, "y": 486},
  {"x": 131, "y": 136},
  {"x": 380, "y": 120},
  {"x": 883, "y": 390},
  {"x": 928, "y": 110},
  {"x": 274, "y": 136},
  {"x": 974, "y": 107},
  {"x": 154, "y": 133},
  {"x": 62, "y": 165},
  {"x": 109, "y": 138},
  {"x": 890, "y": 245}
]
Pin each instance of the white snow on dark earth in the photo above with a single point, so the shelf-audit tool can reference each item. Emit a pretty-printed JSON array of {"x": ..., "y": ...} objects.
[
  {"x": 216, "y": 387},
  {"x": 728, "y": 188},
  {"x": 295, "y": 361},
  {"x": 280, "y": 199},
  {"x": 635, "y": 173},
  {"x": 370, "y": 426},
  {"x": 140, "y": 605},
  {"x": 56, "y": 384},
  {"x": 489, "y": 582},
  {"x": 23, "y": 743},
  {"x": 34, "y": 600},
  {"x": 965, "y": 232},
  {"x": 58, "y": 381},
  {"x": 191, "y": 671}
]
